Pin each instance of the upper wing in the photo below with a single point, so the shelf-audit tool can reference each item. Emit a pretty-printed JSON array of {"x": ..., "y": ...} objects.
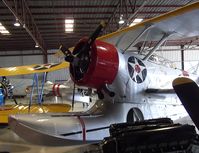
[
  {"x": 30, "y": 69},
  {"x": 183, "y": 22}
]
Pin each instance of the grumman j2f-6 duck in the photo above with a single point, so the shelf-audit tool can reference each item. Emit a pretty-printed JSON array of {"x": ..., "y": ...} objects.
[{"x": 131, "y": 86}]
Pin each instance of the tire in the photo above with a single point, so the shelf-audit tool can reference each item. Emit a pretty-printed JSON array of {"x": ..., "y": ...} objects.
[{"x": 134, "y": 114}]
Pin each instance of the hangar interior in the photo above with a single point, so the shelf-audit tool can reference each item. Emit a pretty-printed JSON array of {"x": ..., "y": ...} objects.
[{"x": 43, "y": 25}]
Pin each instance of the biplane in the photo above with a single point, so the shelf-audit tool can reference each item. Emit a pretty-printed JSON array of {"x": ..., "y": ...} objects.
[
  {"x": 132, "y": 86},
  {"x": 39, "y": 107}
]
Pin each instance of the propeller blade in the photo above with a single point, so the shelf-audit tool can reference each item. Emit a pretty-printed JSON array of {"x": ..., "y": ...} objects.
[
  {"x": 96, "y": 33},
  {"x": 59, "y": 54},
  {"x": 188, "y": 92},
  {"x": 68, "y": 55},
  {"x": 92, "y": 38}
]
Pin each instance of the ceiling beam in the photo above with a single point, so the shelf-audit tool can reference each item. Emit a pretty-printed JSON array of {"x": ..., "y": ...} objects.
[
  {"x": 86, "y": 13},
  {"x": 22, "y": 12},
  {"x": 97, "y": 6}
]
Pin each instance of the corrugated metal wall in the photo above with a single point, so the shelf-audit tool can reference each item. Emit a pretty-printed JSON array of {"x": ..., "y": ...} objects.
[
  {"x": 173, "y": 53},
  {"x": 8, "y": 61},
  {"x": 60, "y": 75},
  {"x": 174, "y": 56},
  {"x": 191, "y": 60},
  {"x": 57, "y": 76}
]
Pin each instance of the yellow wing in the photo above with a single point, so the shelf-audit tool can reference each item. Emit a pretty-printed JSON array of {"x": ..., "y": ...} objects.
[
  {"x": 182, "y": 22},
  {"x": 30, "y": 69}
]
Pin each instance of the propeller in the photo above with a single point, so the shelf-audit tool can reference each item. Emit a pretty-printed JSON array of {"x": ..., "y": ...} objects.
[
  {"x": 67, "y": 53},
  {"x": 80, "y": 57},
  {"x": 7, "y": 88}
]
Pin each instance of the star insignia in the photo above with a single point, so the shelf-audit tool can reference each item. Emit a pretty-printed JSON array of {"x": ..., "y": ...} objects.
[{"x": 137, "y": 69}]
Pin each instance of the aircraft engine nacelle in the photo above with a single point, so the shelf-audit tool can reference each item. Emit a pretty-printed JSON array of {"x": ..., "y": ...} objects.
[{"x": 97, "y": 66}]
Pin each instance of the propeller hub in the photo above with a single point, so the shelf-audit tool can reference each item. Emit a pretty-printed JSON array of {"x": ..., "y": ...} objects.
[{"x": 81, "y": 59}]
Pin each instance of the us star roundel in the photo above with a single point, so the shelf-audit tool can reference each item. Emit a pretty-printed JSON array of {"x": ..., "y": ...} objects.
[{"x": 137, "y": 69}]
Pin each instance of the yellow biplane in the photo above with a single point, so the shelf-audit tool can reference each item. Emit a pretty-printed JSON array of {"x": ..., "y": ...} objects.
[{"x": 8, "y": 109}]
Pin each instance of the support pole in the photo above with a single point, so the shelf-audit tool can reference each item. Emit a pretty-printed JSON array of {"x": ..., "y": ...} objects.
[{"x": 182, "y": 56}]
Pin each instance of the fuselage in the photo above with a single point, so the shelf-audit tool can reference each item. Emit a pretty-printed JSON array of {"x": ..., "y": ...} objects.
[{"x": 135, "y": 76}]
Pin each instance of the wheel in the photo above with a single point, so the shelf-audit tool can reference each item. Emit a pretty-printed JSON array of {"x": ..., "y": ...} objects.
[{"x": 134, "y": 114}]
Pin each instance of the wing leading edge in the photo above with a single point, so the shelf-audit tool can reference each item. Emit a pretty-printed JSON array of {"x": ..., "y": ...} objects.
[{"x": 31, "y": 69}]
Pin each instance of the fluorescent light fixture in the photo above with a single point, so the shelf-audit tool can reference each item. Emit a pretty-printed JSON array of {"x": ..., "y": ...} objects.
[
  {"x": 3, "y": 30},
  {"x": 69, "y": 30},
  {"x": 69, "y": 24},
  {"x": 36, "y": 45},
  {"x": 137, "y": 20},
  {"x": 132, "y": 24},
  {"x": 121, "y": 21},
  {"x": 71, "y": 21},
  {"x": 17, "y": 24}
]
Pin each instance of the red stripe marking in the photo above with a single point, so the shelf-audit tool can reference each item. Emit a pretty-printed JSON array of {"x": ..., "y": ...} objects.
[
  {"x": 4, "y": 109},
  {"x": 185, "y": 73},
  {"x": 83, "y": 128},
  {"x": 53, "y": 89},
  {"x": 58, "y": 93}
]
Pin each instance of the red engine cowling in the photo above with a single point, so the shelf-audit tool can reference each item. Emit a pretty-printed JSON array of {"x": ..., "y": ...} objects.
[{"x": 103, "y": 65}]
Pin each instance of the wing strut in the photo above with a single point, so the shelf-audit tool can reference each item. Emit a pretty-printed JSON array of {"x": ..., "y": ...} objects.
[
  {"x": 138, "y": 37},
  {"x": 39, "y": 92},
  {"x": 162, "y": 40},
  {"x": 33, "y": 84}
]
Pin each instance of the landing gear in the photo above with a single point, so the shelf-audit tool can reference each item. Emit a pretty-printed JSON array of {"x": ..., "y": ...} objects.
[{"x": 134, "y": 114}]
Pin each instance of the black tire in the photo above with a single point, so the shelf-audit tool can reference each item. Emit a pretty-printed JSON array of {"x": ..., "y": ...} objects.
[{"x": 134, "y": 114}]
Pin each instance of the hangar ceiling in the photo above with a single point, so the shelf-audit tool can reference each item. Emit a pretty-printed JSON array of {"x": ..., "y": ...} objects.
[{"x": 43, "y": 20}]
